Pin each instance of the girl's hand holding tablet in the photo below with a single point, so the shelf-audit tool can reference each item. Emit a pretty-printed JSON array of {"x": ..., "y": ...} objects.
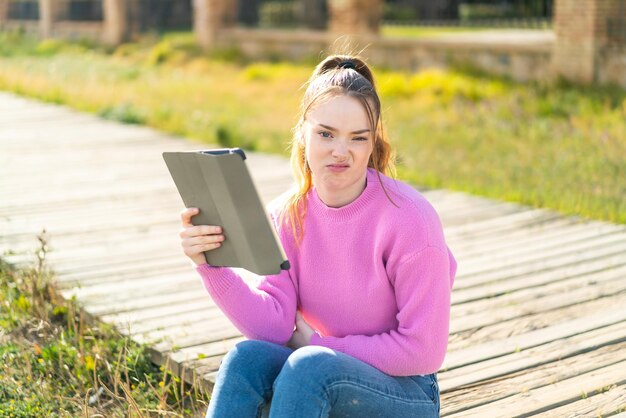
[{"x": 196, "y": 239}]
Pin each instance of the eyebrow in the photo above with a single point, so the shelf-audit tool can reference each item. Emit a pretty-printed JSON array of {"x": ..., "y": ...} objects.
[{"x": 330, "y": 128}]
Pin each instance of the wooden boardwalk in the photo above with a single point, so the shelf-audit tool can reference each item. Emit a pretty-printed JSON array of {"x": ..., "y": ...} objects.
[{"x": 539, "y": 304}]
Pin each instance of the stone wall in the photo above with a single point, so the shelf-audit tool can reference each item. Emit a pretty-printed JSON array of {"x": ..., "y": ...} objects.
[
  {"x": 521, "y": 61},
  {"x": 583, "y": 40},
  {"x": 612, "y": 69}
]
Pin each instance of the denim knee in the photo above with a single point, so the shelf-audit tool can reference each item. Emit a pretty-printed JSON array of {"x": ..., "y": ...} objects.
[
  {"x": 242, "y": 352},
  {"x": 244, "y": 381},
  {"x": 308, "y": 364},
  {"x": 250, "y": 356}
]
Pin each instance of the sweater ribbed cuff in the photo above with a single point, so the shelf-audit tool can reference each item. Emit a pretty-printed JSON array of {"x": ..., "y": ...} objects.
[
  {"x": 328, "y": 342},
  {"x": 215, "y": 277}
]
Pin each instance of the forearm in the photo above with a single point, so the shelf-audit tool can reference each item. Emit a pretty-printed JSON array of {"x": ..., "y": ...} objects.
[
  {"x": 265, "y": 313},
  {"x": 392, "y": 352}
]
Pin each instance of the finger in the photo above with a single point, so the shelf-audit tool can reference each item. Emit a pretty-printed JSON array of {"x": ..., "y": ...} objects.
[
  {"x": 200, "y": 248},
  {"x": 204, "y": 239},
  {"x": 199, "y": 230},
  {"x": 210, "y": 229},
  {"x": 186, "y": 214}
]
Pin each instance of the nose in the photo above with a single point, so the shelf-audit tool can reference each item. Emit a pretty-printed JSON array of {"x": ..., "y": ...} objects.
[{"x": 340, "y": 151}]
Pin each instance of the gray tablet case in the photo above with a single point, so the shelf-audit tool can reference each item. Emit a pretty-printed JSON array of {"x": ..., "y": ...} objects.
[{"x": 219, "y": 184}]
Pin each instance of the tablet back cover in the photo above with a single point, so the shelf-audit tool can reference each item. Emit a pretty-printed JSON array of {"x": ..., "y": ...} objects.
[{"x": 219, "y": 184}]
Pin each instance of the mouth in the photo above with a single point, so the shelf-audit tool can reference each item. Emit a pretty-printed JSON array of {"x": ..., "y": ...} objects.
[{"x": 337, "y": 168}]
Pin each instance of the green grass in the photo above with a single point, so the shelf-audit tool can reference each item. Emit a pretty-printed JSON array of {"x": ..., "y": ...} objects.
[
  {"x": 555, "y": 146},
  {"x": 56, "y": 363},
  {"x": 429, "y": 32}
]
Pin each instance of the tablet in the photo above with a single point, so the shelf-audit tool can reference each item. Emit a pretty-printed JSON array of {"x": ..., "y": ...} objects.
[{"x": 218, "y": 182}]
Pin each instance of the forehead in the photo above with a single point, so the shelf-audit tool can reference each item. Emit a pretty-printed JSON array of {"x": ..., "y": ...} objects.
[{"x": 341, "y": 112}]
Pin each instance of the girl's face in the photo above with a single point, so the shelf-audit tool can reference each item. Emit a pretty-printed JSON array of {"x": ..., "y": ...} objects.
[{"x": 338, "y": 146}]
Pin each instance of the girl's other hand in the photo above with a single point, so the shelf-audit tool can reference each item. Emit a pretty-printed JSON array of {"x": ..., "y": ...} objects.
[
  {"x": 302, "y": 335},
  {"x": 195, "y": 240}
]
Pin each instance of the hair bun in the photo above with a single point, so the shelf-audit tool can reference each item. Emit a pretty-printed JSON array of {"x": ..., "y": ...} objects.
[{"x": 347, "y": 64}]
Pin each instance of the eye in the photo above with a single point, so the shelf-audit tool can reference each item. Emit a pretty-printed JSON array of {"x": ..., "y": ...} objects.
[
  {"x": 360, "y": 138},
  {"x": 324, "y": 132}
]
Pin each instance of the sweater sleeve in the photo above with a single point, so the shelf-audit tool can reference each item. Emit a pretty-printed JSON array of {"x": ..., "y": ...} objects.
[
  {"x": 422, "y": 283},
  {"x": 264, "y": 312}
]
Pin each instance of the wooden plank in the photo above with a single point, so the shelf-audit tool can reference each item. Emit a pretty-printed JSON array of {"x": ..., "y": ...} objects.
[
  {"x": 534, "y": 357},
  {"x": 471, "y": 397},
  {"x": 212, "y": 349},
  {"x": 608, "y": 401},
  {"x": 535, "y": 264},
  {"x": 127, "y": 271},
  {"x": 548, "y": 397},
  {"x": 155, "y": 185},
  {"x": 521, "y": 282},
  {"x": 464, "y": 210},
  {"x": 132, "y": 220},
  {"x": 203, "y": 366},
  {"x": 179, "y": 320},
  {"x": 149, "y": 285},
  {"x": 138, "y": 302},
  {"x": 103, "y": 240},
  {"x": 564, "y": 251},
  {"x": 522, "y": 219},
  {"x": 72, "y": 173},
  {"x": 162, "y": 348},
  {"x": 35, "y": 211},
  {"x": 547, "y": 289},
  {"x": 493, "y": 314},
  {"x": 192, "y": 335},
  {"x": 509, "y": 330},
  {"x": 495, "y": 240},
  {"x": 134, "y": 317},
  {"x": 177, "y": 359},
  {"x": 143, "y": 247},
  {"x": 528, "y": 239},
  {"x": 492, "y": 349}
]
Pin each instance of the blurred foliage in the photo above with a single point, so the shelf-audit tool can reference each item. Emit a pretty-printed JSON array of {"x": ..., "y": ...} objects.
[
  {"x": 554, "y": 145},
  {"x": 276, "y": 14},
  {"x": 399, "y": 12},
  {"x": 123, "y": 112}
]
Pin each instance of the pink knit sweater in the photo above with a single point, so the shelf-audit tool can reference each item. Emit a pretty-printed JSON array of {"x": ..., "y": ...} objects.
[{"x": 372, "y": 279}]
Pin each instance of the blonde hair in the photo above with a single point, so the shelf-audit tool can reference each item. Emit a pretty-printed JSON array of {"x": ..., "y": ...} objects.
[{"x": 330, "y": 79}]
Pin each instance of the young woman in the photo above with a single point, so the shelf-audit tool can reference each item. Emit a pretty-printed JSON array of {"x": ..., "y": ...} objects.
[{"x": 358, "y": 326}]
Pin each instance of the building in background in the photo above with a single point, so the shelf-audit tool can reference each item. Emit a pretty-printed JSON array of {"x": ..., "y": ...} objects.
[{"x": 586, "y": 40}]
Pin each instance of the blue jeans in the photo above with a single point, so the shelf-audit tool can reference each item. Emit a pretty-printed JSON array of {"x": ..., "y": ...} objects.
[{"x": 257, "y": 378}]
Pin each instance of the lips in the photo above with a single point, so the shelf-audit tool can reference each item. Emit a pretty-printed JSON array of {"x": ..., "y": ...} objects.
[{"x": 338, "y": 168}]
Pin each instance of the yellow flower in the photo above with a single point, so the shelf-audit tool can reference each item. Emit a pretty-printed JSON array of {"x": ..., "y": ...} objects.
[{"x": 161, "y": 384}]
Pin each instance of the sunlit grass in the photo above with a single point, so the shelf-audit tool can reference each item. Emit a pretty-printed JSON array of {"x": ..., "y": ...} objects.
[
  {"x": 57, "y": 363},
  {"x": 559, "y": 147},
  {"x": 428, "y": 32}
]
